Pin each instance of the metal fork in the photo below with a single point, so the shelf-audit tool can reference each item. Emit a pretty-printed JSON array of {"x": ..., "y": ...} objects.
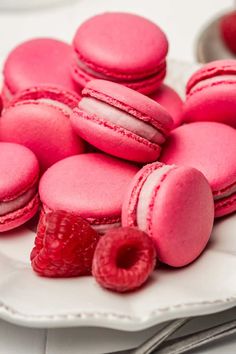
[{"x": 183, "y": 344}]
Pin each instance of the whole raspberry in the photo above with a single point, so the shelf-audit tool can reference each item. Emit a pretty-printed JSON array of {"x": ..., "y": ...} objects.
[
  {"x": 228, "y": 30},
  {"x": 123, "y": 259},
  {"x": 64, "y": 245}
]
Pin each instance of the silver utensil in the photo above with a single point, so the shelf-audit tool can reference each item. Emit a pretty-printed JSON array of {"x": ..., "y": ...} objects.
[
  {"x": 210, "y": 45},
  {"x": 185, "y": 343},
  {"x": 156, "y": 340},
  {"x": 196, "y": 340}
]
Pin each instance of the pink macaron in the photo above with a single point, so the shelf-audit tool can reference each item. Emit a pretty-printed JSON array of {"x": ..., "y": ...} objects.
[
  {"x": 211, "y": 94},
  {"x": 19, "y": 174},
  {"x": 120, "y": 121},
  {"x": 168, "y": 98},
  {"x": 174, "y": 206},
  {"x": 90, "y": 185},
  {"x": 120, "y": 47},
  {"x": 38, "y": 61},
  {"x": 39, "y": 119},
  {"x": 211, "y": 148}
]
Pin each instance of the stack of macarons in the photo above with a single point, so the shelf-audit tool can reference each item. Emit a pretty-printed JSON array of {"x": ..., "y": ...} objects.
[{"x": 84, "y": 122}]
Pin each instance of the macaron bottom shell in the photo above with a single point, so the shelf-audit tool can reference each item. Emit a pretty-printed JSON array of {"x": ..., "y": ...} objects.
[
  {"x": 19, "y": 217},
  {"x": 112, "y": 139}
]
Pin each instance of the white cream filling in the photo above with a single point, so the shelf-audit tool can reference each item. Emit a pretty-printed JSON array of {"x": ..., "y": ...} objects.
[
  {"x": 20, "y": 202},
  {"x": 212, "y": 80},
  {"x": 226, "y": 194},
  {"x": 87, "y": 69},
  {"x": 56, "y": 104},
  {"x": 104, "y": 227},
  {"x": 121, "y": 118},
  {"x": 145, "y": 195},
  {"x": 7, "y": 93}
]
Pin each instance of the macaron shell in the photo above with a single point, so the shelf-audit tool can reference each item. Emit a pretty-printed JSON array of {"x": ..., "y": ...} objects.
[
  {"x": 46, "y": 92},
  {"x": 44, "y": 129},
  {"x": 182, "y": 217},
  {"x": 92, "y": 185},
  {"x": 112, "y": 139},
  {"x": 210, "y": 70},
  {"x": 111, "y": 43},
  {"x": 19, "y": 170},
  {"x": 209, "y": 147},
  {"x": 215, "y": 102},
  {"x": 171, "y": 101},
  {"x": 39, "y": 61},
  {"x": 20, "y": 216},
  {"x": 130, "y": 101}
]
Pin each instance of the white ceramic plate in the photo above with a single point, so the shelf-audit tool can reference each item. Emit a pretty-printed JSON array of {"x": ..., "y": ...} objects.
[{"x": 206, "y": 286}]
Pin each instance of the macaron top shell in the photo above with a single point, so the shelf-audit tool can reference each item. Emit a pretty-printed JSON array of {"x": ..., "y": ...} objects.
[
  {"x": 19, "y": 170},
  {"x": 92, "y": 185},
  {"x": 121, "y": 44},
  {"x": 39, "y": 61},
  {"x": 130, "y": 101},
  {"x": 213, "y": 69},
  {"x": 208, "y": 146}
]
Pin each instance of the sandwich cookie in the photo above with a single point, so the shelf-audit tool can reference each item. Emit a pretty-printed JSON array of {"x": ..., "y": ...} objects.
[
  {"x": 121, "y": 122},
  {"x": 211, "y": 148},
  {"x": 19, "y": 174},
  {"x": 174, "y": 206},
  {"x": 35, "y": 62},
  {"x": 120, "y": 47},
  {"x": 89, "y": 185},
  {"x": 39, "y": 119},
  {"x": 211, "y": 94}
]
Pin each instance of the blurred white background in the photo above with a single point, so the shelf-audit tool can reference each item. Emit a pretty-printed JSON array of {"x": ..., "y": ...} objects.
[{"x": 180, "y": 19}]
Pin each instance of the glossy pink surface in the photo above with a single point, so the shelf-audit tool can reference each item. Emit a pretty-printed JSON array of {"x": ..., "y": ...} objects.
[
  {"x": 92, "y": 185},
  {"x": 39, "y": 119},
  {"x": 39, "y": 61},
  {"x": 210, "y": 147},
  {"x": 168, "y": 98},
  {"x": 121, "y": 47}
]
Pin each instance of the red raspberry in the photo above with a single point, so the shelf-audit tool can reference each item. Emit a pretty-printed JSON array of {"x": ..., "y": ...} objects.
[
  {"x": 64, "y": 245},
  {"x": 228, "y": 30},
  {"x": 123, "y": 259}
]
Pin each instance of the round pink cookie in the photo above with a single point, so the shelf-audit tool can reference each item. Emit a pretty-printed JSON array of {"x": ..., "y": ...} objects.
[
  {"x": 18, "y": 185},
  {"x": 121, "y": 121},
  {"x": 38, "y": 61},
  {"x": 90, "y": 185},
  {"x": 211, "y": 148},
  {"x": 168, "y": 98},
  {"x": 174, "y": 206},
  {"x": 120, "y": 47},
  {"x": 39, "y": 119},
  {"x": 211, "y": 94}
]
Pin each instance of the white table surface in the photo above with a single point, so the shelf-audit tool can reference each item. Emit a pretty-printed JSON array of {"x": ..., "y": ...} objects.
[{"x": 181, "y": 20}]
